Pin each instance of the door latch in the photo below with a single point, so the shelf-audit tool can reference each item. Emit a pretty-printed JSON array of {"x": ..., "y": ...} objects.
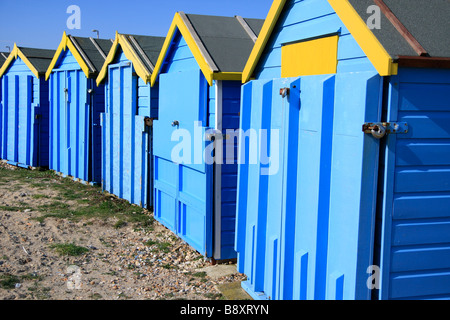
[
  {"x": 380, "y": 129},
  {"x": 148, "y": 121}
]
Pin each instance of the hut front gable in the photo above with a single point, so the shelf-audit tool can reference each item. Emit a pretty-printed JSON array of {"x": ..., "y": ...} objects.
[
  {"x": 67, "y": 61},
  {"x": 18, "y": 66},
  {"x": 180, "y": 57},
  {"x": 304, "y": 21},
  {"x": 120, "y": 56}
]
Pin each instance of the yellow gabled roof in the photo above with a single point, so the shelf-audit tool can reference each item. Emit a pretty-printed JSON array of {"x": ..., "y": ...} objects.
[
  {"x": 142, "y": 71},
  {"x": 65, "y": 44},
  {"x": 16, "y": 52},
  {"x": 374, "y": 50},
  {"x": 199, "y": 54}
]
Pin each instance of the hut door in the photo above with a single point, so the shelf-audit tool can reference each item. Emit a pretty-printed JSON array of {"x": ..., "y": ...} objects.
[
  {"x": 124, "y": 137},
  {"x": 306, "y": 231},
  {"x": 183, "y": 180},
  {"x": 70, "y": 124}
]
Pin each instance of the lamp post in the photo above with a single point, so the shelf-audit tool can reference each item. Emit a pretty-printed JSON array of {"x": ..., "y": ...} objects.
[{"x": 98, "y": 33}]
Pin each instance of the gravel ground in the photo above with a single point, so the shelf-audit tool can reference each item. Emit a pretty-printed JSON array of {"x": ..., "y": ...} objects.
[{"x": 45, "y": 254}]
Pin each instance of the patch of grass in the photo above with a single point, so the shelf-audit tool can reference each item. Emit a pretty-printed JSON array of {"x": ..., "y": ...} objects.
[
  {"x": 38, "y": 292},
  {"x": 8, "y": 281},
  {"x": 87, "y": 201},
  {"x": 120, "y": 224},
  {"x": 69, "y": 249},
  {"x": 214, "y": 296},
  {"x": 169, "y": 266},
  {"x": 160, "y": 246},
  {"x": 40, "y": 196},
  {"x": 201, "y": 274},
  {"x": 10, "y": 208},
  {"x": 31, "y": 276},
  {"x": 96, "y": 296}
]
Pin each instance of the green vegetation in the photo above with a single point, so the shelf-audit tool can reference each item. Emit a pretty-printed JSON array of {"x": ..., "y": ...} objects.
[
  {"x": 69, "y": 249},
  {"x": 8, "y": 281},
  {"x": 159, "y": 246},
  {"x": 74, "y": 200}
]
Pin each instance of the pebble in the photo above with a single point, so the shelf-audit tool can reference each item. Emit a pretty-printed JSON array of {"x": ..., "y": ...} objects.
[{"x": 118, "y": 264}]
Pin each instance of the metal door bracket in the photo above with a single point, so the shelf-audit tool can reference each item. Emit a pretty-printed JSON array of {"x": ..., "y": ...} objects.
[{"x": 381, "y": 129}]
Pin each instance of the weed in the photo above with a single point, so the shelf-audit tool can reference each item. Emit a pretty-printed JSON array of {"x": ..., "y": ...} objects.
[
  {"x": 8, "y": 281},
  {"x": 120, "y": 224},
  {"x": 69, "y": 249},
  {"x": 95, "y": 296},
  {"x": 160, "y": 246}
]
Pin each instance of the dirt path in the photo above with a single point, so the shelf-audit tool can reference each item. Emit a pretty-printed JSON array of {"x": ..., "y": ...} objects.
[{"x": 62, "y": 240}]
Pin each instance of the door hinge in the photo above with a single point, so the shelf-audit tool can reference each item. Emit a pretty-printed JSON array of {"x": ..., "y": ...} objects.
[{"x": 381, "y": 129}]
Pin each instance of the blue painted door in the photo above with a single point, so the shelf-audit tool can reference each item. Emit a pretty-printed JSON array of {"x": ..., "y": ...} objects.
[
  {"x": 182, "y": 179},
  {"x": 126, "y": 146},
  {"x": 19, "y": 136},
  {"x": 305, "y": 219},
  {"x": 75, "y": 149},
  {"x": 414, "y": 202}
]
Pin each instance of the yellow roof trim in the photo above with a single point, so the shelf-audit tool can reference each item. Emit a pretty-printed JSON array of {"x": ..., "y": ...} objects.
[
  {"x": 63, "y": 46},
  {"x": 109, "y": 59},
  {"x": 178, "y": 24},
  {"x": 140, "y": 68},
  {"x": 377, "y": 54},
  {"x": 16, "y": 52},
  {"x": 138, "y": 65},
  {"x": 263, "y": 38}
]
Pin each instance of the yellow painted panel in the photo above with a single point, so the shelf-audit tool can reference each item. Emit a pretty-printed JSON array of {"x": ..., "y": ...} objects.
[{"x": 307, "y": 58}]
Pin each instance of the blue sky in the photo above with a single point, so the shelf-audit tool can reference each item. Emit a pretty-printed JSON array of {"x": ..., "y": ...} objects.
[{"x": 40, "y": 23}]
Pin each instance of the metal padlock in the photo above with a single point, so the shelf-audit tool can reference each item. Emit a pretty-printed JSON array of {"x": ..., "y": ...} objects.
[{"x": 378, "y": 130}]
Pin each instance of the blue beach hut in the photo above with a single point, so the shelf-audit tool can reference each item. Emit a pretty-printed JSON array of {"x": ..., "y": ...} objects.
[
  {"x": 24, "y": 107},
  {"x": 356, "y": 95},
  {"x": 3, "y": 57},
  {"x": 75, "y": 107},
  {"x": 131, "y": 104},
  {"x": 199, "y": 74}
]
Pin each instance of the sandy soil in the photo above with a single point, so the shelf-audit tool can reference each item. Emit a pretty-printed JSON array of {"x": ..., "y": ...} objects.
[{"x": 126, "y": 262}]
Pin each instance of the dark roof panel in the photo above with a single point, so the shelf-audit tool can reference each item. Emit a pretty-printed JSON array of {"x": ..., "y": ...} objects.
[
  {"x": 388, "y": 36},
  {"x": 151, "y": 46},
  {"x": 3, "y": 57},
  {"x": 91, "y": 51},
  {"x": 227, "y": 42},
  {"x": 427, "y": 21},
  {"x": 39, "y": 58},
  {"x": 255, "y": 24}
]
